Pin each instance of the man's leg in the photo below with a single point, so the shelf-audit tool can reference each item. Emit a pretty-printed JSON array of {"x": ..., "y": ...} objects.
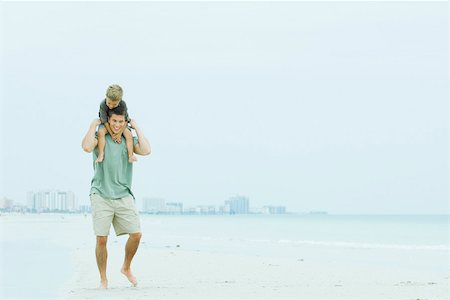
[
  {"x": 101, "y": 254},
  {"x": 130, "y": 250},
  {"x": 102, "y": 215}
]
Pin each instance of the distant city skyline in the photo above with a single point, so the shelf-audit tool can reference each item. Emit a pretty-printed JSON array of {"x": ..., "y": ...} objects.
[
  {"x": 334, "y": 106},
  {"x": 41, "y": 201}
]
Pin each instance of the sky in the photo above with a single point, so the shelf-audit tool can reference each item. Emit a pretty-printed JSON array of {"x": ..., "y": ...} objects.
[{"x": 335, "y": 106}]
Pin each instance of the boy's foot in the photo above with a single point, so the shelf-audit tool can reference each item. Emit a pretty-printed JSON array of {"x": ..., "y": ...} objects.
[
  {"x": 103, "y": 285},
  {"x": 130, "y": 276},
  {"x": 99, "y": 158},
  {"x": 132, "y": 159}
]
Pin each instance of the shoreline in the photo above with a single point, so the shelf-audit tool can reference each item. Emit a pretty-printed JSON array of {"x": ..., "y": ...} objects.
[{"x": 236, "y": 258}]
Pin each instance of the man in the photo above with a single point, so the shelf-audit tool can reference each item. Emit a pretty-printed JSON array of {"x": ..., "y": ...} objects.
[{"x": 111, "y": 198}]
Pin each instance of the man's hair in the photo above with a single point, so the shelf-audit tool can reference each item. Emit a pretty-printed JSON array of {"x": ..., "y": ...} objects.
[
  {"x": 119, "y": 110},
  {"x": 114, "y": 92}
]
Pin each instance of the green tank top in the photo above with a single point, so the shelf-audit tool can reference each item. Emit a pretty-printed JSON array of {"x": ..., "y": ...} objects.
[{"x": 113, "y": 177}]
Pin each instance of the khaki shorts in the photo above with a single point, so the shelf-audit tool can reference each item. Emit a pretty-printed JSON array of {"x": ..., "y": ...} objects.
[{"x": 122, "y": 213}]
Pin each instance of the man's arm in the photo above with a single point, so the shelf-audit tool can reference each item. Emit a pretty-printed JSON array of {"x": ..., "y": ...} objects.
[
  {"x": 143, "y": 146},
  {"x": 90, "y": 141}
]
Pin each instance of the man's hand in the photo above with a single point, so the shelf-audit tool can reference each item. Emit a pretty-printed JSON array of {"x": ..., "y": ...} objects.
[
  {"x": 89, "y": 141},
  {"x": 143, "y": 146},
  {"x": 117, "y": 137},
  {"x": 96, "y": 122}
]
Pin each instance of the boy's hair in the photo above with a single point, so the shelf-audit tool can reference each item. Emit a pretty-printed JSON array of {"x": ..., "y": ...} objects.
[
  {"x": 119, "y": 110},
  {"x": 114, "y": 92}
]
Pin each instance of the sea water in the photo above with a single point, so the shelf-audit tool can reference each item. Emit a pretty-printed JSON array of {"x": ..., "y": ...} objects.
[
  {"x": 412, "y": 244},
  {"x": 427, "y": 232},
  {"x": 35, "y": 249}
]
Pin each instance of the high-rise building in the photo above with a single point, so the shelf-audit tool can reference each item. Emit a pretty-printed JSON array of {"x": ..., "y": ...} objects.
[
  {"x": 237, "y": 205},
  {"x": 6, "y": 204},
  {"x": 52, "y": 201},
  {"x": 153, "y": 205},
  {"x": 85, "y": 208}
]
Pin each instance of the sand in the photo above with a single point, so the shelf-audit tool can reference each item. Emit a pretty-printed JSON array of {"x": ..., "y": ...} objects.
[{"x": 317, "y": 273}]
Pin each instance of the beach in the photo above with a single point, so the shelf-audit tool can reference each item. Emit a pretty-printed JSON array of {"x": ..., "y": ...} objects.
[
  {"x": 177, "y": 274},
  {"x": 170, "y": 264}
]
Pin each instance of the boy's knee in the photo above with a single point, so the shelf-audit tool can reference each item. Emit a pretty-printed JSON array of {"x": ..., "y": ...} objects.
[{"x": 127, "y": 133}]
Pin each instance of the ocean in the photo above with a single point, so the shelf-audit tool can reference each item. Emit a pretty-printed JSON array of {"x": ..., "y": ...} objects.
[
  {"x": 369, "y": 231},
  {"x": 36, "y": 248}
]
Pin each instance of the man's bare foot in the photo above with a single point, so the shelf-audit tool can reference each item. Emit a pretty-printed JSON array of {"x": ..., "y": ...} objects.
[
  {"x": 99, "y": 158},
  {"x": 103, "y": 285},
  {"x": 132, "y": 159},
  {"x": 130, "y": 276}
]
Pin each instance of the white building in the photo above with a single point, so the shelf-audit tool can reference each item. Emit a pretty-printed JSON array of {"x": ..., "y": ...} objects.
[
  {"x": 153, "y": 205},
  {"x": 274, "y": 209},
  {"x": 237, "y": 205},
  {"x": 52, "y": 201},
  {"x": 174, "y": 207},
  {"x": 6, "y": 204},
  {"x": 224, "y": 209},
  {"x": 206, "y": 209}
]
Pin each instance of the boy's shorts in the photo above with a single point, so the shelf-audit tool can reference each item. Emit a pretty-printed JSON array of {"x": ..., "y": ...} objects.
[{"x": 122, "y": 213}]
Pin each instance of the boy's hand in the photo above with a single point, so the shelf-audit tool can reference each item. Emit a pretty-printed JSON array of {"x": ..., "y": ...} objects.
[
  {"x": 133, "y": 123},
  {"x": 117, "y": 137}
]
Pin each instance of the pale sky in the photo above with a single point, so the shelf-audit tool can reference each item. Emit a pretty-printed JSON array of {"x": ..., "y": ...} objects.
[{"x": 336, "y": 106}]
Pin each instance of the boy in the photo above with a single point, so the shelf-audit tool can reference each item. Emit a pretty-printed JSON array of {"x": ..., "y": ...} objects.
[{"x": 113, "y": 99}]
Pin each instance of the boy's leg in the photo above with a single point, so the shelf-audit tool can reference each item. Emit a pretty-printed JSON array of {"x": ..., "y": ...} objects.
[
  {"x": 129, "y": 140},
  {"x": 101, "y": 144}
]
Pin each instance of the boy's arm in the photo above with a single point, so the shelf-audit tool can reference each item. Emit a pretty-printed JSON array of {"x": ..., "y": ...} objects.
[
  {"x": 89, "y": 141},
  {"x": 108, "y": 128},
  {"x": 143, "y": 146}
]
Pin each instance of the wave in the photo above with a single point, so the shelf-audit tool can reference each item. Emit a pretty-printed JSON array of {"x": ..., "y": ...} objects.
[
  {"x": 360, "y": 245},
  {"x": 340, "y": 244}
]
